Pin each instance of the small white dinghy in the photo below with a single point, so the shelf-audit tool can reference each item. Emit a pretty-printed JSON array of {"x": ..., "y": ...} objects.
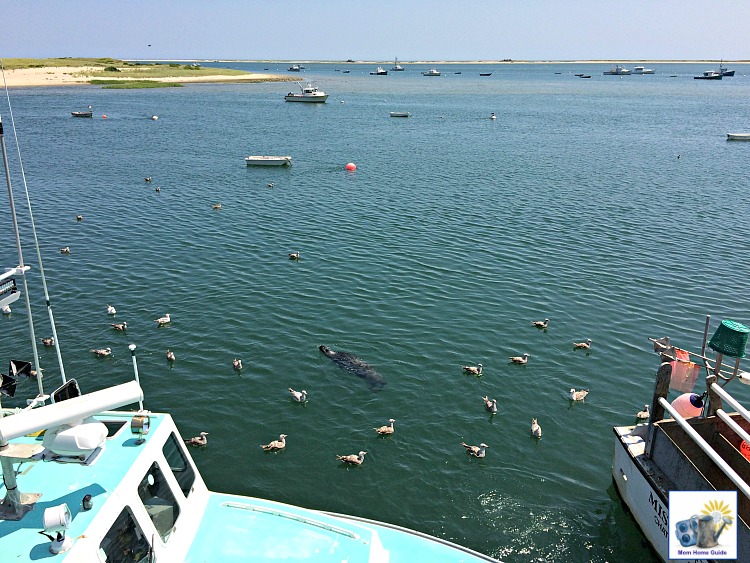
[{"x": 268, "y": 160}]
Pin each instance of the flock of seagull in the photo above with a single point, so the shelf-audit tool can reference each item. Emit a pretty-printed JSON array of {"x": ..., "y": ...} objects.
[
  {"x": 491, "y": 404},
  {"x": 479, "y": 451}
]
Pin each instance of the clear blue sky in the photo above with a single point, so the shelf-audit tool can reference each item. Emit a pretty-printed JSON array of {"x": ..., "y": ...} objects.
[{"x": 377, "y": 29}]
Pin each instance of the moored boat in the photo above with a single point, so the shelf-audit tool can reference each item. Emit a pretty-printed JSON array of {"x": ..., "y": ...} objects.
[
  {"x": 400, "y": 114},
  {"x": 309, "y": 93},
  {"x": 725, "y": 71},
  {"x": 617, "y": 70},
  {"x": 738, "y": 136},
  {"x": 295, "y": 68},
  {"x": 709, "y": 75},
  {"x": 85, "y": 113},
  {"x": 268, "y": 160},
  {"x": 380, "y": 71},
  {"x": 397, "y": 67},
  {"x": 642, "y": 70},
  {"x": 431, "y": 72},
  {"x": 690, "y": 447}
]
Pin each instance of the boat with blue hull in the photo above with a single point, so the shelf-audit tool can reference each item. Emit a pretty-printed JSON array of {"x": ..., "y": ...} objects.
[{"x": 96, "y": 477}]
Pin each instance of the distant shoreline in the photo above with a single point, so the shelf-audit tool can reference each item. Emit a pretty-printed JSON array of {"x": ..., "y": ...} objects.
[{"x": 472, "y": 62}]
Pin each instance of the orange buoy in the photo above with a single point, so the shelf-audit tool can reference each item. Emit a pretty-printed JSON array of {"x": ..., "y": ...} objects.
[
  {"x": 351, "y": 166},
  {"x": 104, "y": 116},
  {"x": 688, "y": 405}
]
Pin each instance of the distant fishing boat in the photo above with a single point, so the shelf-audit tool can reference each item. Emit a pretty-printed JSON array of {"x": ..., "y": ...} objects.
[
  {"x": 709, "y": 75},
  {"x": 309, "y": 94},
  {"x": 380, "y": 71},
  {"x": 431, "y": 72},
  {"x": 485, "y": 74},
  {"x": 617, "y": 70},
  {"x": 724, "y": 71},
  {"x": 396, "y": 67},
  {"x": 400, "y": 114}
]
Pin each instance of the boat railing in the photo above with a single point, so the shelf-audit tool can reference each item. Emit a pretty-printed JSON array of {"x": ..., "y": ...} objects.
[{"x": 707, "y": 449}]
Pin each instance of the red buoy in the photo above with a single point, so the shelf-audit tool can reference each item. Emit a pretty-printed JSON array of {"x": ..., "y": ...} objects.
[{"x": 351, "y": 166}]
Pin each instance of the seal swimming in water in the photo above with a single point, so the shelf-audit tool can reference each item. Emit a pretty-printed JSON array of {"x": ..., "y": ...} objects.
[{"x": 352, "y": 363}]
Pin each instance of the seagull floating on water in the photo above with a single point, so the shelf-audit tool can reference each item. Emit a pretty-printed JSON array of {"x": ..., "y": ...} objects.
[
  {"x": 79, "y": 217},
  {"x": 170, "y": 356},
  {"x": 147, "y": 179},
  {"x": 237, "y": 364},
  {"x": 161, "y": 321},
  {"x": 48, "y": 341},
  {"x": 270, "y": 184},
  {"x": 353, "y": 459},
  {"x": 582, "y": 345},
  {"x": 101, "y": 352},
  {"x": 386, "y": 429},
  {"x": 279, "y": 444},
  {"x": 294, "y": 256},
  {"x": 119, "y": 326},
  {"x": 540, "y": 324},
  {"x": 198, "y": 440},
  {"x": 299, "y": 396},
  {"x": 578, "y": 395},
  {"x": 644, "y": 414},
  {"x": 65, "y": 250},
  {"x": 536, "y": 430},
  {"x": 520, "y": 359},
  {"x": 474, "y": 370},
  {"x": 490, "y": 404},
  {"x": 6, "y": 310},
  {"x": 476, "y": 451},
  {"x": 158, "y": 189},
  {"x": 216, "y": 206},
  {"x": 111, "y": 310}
]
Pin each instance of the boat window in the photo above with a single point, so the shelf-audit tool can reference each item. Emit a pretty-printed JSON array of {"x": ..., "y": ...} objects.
[
  {"x": 178, "y": 463},
  {"x": 159, "y": 501},
  {"x": 125, "y": 542}
]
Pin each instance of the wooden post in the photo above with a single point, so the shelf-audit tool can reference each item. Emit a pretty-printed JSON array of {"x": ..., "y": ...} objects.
[{"x": 661, "y": 389}]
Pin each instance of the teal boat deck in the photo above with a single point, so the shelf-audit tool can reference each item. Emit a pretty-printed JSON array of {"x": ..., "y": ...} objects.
[{"x": 61, "y": 482}]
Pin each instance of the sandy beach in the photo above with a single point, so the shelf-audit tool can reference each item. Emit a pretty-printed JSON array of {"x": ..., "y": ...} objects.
[{"x": 71, "y": 76}]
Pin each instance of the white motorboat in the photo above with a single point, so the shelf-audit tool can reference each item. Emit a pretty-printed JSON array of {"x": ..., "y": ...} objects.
[
  {"x": 295, "y": 68},
  {"x": 642, "y": 70},
  {"x": 400, "y": 114},
  {"x": 738, "y": 136},
  {"x": 380, "y": 71},
  {"x": 268, "y": 160},
  {"x": 396, "y": 67},
  {"x": 309, "y": 94},
  {"x": 617, "y": 70},
  {"x": 690, "y": 449},
  {"x": 431, "y": 72}
]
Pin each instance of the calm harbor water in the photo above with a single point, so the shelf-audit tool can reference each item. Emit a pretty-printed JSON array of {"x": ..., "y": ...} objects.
[{"x": 613, "y": 205}]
